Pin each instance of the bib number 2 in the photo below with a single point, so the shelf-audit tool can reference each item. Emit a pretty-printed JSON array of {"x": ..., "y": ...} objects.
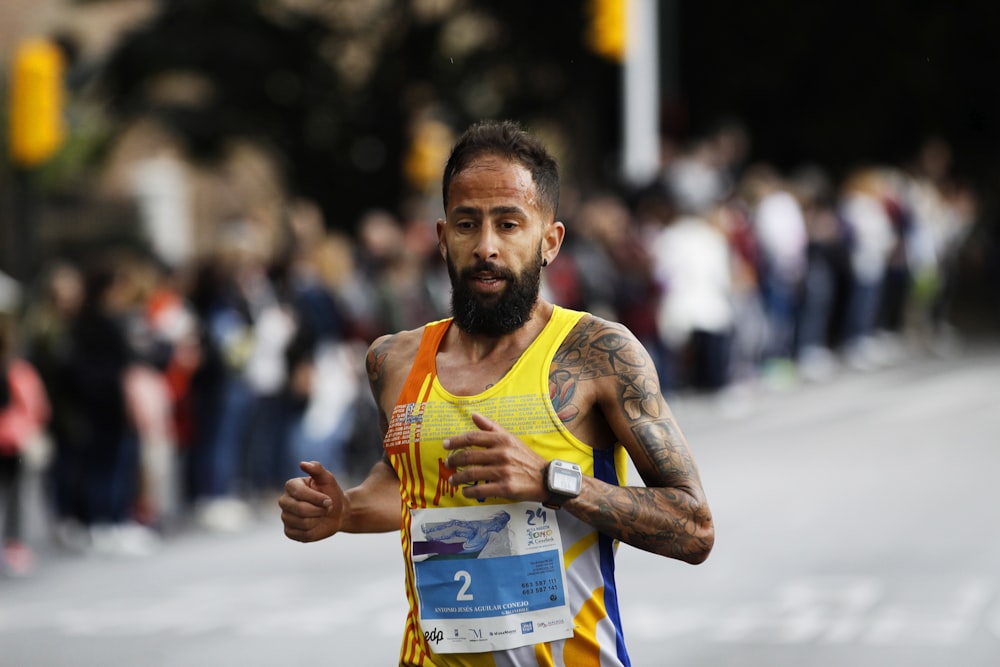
[{"x": 463, "y": 592}]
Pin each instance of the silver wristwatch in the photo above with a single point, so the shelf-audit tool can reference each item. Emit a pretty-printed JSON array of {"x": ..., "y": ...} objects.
[{"x": 563, "y": 481}]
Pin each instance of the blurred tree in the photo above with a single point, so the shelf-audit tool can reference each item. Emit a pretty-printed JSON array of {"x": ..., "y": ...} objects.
[
  {"x": 334, "y": 88},
  {"x": 212, "y": 70}
]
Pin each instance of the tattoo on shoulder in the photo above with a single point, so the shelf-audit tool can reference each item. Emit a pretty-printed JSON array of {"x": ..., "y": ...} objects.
[
  {"x": 603, "y": 349},
  {"x": 375, "y": 368},
  {"x": 375, "y": 361},
  {"x": 562, "y": 389}
]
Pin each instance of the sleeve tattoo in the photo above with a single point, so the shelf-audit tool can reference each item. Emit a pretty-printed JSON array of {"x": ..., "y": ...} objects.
[{"x": 667, "y": 516}]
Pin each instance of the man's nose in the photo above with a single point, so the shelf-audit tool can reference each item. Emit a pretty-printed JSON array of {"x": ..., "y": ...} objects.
[{"x": 486, "y": 248}]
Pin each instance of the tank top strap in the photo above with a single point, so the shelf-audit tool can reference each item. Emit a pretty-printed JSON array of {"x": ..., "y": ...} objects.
[
  {"x": 424, "y": 365},
  {"x": 540, "y": 353}
]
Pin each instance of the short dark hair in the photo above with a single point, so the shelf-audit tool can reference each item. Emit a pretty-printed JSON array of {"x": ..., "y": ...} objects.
[{"x": 507, "y": 140}]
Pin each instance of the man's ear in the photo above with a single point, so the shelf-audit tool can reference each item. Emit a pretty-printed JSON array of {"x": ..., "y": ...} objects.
[
  {"x": 552, "y": 240},
  {"x": 440, "y": 232}
]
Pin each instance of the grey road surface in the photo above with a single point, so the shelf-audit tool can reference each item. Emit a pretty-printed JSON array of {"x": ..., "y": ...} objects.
[{"x": 858, "y": 526}]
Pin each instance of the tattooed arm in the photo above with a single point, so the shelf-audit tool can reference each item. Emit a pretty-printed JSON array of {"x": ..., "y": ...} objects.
[{"x": 612, "y": 385}]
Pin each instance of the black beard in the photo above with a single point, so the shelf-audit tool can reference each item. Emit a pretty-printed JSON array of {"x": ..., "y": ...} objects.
[{"x": 494, "y": 315}]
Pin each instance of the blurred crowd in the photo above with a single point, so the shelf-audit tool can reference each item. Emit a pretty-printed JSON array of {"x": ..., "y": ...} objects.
[
  {"x": 738, "y": 275},
  {"x": 146, "y": 397}
]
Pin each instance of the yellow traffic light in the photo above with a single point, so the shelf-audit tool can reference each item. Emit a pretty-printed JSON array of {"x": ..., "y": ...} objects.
[
  {"x": 37, "y": 128},
  {"x": 606, "y": 28},
  {"x": 430, "y": 145}
]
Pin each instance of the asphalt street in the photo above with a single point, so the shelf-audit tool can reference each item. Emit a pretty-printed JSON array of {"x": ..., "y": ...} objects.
[{"x": 857, "y": 526}]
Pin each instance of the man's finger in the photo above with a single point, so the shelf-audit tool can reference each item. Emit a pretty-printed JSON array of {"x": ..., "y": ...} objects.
[
  {"x": 321, "y": 479},
  {"x": 319, "y": 475},
  {"x": 485, "y": 424},
  {"x": 302, "y": 490},
  {"x": 317, "y": 505}
]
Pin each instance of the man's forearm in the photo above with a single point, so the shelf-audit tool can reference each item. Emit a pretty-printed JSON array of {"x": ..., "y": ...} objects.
[
  {"x": 666, "y": 521},
  {"x": 374, "y": 505}
]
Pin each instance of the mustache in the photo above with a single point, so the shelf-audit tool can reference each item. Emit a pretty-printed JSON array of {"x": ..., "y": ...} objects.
[{"x": 487, "y": 267}]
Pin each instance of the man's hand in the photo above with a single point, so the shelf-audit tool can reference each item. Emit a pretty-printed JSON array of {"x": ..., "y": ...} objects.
[
  {"x": 312, "y": 507},
  {"x": 492, "y": 462}
]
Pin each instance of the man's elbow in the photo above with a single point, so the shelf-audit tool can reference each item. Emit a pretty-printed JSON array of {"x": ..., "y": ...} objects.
[
  {"x": 701, "y": 543},
  {"x": 700, "y": 555}
]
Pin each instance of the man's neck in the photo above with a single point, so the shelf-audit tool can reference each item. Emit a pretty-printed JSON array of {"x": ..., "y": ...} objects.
[{"x": 480, "y": 347}]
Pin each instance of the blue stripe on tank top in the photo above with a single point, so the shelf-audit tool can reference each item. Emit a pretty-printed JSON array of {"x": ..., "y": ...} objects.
[{"x": 604, "y": 470}]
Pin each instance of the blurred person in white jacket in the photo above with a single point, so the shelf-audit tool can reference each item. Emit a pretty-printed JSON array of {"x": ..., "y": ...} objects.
[
  {"x": 695, "y": 315},
  {"x": 780, "y": 230},
  {"x": 872, "y": 239}
]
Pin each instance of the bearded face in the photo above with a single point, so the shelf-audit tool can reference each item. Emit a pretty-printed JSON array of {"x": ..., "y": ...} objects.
[{"x": 499, "y": 313}]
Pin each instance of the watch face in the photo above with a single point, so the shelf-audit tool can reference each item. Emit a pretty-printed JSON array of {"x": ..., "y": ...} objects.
[{"x": 564, "y": 481}]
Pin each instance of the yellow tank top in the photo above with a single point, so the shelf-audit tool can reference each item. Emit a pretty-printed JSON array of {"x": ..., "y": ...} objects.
[{"x": 426, "y": 413}]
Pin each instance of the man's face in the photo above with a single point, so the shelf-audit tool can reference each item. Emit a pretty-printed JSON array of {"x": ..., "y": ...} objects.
[
  {"x": 497, "y": 313},
  {"x": 493, "y": 240}
]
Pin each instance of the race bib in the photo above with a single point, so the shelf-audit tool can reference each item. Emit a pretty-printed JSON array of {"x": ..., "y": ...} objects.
[{"x": 490, "y": 577}]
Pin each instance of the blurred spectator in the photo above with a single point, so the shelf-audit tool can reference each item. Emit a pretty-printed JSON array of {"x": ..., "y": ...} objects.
[
  {"x": 24, "y": 414},
  {"x": 561, "y": 280},
  {"x": 322, "y": 379},
  {"x": 654, "y": 210},
  {"x": 273, "y": 327},
  {"x": 101, "y": 460},
  {"x": 395, "y": 262},
  {"x": 898, "y": 278},
  {"x": 46, "y": 338},
  {"x": 149, "y": 405},
  {"x": 695, "y": 317},
  {"x": 826, "y": 261},
  {"x": 619, "y": 274},
  {"x": 638, "y": 292},
  {"x": 780, "y": 233},
  {"x": 696, "y": 179},
  {"x": 751, "y": 329},
  {"x": 732, "y": 140},
  {"x": 596, "y": 222},
  {"x": 238, "y": 439},
  {"x": 707, "y": 171},
  {"x": 421, "y": 241},
  {"x": 943, "y": 212},
  {"x": 319, "y": 312},
  {"x": 871, "y": 241},
  {"x": 157, "y": 392}
]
